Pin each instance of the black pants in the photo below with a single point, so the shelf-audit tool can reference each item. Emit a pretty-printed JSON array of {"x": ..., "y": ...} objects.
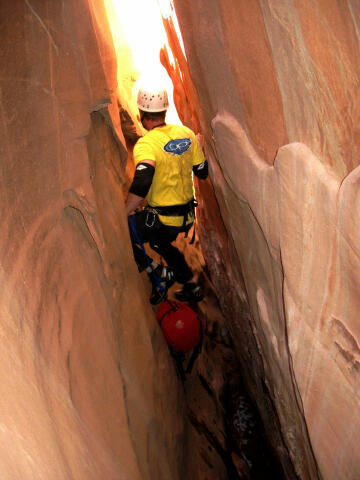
[{"x": 160, "y": 238}]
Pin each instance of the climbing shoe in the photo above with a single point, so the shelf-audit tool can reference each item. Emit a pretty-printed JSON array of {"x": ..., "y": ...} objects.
[
  {"x": 166, "y": 278},
  {"x": 191, "y": 292}
]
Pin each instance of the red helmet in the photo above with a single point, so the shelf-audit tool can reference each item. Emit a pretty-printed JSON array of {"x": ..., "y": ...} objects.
[{"x": 180, "y": 324}]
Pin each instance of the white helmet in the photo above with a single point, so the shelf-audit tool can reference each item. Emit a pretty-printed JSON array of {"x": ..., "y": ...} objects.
[{"x": 152, "y": 100}]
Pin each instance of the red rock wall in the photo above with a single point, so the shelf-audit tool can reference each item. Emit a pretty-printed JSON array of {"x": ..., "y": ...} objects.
[
  {"x": 87, "y": 388},
  {"x": 278, "y": 87}
]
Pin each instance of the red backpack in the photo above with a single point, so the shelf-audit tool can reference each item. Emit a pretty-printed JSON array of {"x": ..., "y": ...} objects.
[{"x": 183, "y": 331}]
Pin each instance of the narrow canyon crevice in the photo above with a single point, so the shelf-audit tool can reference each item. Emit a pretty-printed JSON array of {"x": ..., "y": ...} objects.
[
  {"x": 88, "y": 388},
  {"x": 224, "y": 436}
]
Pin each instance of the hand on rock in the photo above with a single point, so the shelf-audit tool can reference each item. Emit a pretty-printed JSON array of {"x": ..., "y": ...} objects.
[{"x": 201, "y": 140}]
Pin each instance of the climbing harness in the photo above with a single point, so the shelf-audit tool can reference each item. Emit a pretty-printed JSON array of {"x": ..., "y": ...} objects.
[
  {"x": 179, "y": 211},
  {"x": 183, "y": 331}
]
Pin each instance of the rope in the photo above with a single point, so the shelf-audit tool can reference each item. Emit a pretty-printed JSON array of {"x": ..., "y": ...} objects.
[{"x": 141, "y": 245}]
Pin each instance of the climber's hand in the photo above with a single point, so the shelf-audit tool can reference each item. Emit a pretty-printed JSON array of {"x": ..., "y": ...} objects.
[{"x": 200, "y": 139}]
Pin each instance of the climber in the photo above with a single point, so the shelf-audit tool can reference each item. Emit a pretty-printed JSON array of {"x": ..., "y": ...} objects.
[{"x": 165, "y": 159}]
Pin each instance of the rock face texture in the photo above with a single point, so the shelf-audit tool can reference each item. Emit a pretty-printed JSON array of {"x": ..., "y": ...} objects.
[
  {"x": 277, "y": 86},
  {"x": 87, "y": 388}
]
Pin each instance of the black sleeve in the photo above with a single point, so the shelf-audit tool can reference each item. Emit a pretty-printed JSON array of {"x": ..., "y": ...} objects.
[
  {"x": 201, "y": 170},
  {"x": 142, "y": 180}
]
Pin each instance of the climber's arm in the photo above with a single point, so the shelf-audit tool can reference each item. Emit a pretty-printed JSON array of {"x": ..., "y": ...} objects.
[
  {"x": 132, "y": 202},
  {"x": 201, "y": 169},
  {"x": 141, "y": 184}
]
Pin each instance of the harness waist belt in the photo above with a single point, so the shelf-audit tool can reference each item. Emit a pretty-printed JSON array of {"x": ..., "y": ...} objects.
[{"x": 176, "y": 210}]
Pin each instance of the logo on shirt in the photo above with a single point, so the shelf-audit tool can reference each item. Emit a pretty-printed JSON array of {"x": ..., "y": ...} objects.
[
  {"x": 141, "y": 167},
  {"x": 178, "y": 146}
]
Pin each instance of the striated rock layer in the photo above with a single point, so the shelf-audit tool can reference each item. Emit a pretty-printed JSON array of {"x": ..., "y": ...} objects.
[
  {"x": 87, "y": 388},
  {"x": 277, "y": 91}
]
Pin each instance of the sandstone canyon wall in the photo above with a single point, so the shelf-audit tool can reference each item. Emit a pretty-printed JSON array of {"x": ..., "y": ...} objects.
[
  {"x": 87, "y": 388},
  {"x": 277, "y": 93}
]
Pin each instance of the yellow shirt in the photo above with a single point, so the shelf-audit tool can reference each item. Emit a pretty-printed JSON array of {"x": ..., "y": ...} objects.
[{"x": 175, "y": 150}]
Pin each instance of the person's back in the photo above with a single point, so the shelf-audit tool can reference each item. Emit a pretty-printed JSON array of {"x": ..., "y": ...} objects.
[{"x": 175, "y": 150}]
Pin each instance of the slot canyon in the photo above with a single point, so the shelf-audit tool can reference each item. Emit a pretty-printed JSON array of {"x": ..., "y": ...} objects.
[{"x": 88, "y": 388}]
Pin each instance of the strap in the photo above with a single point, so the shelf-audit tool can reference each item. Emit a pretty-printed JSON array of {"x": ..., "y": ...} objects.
[
  {"x": 172, "y": 308},
  {"x": 141, "y": 245},
  {"x": 175, "y": 210},
  {"x": 193, "y": 235},
  {"x": 179, "y": 359},
  {"x": 197, "y": 350}
]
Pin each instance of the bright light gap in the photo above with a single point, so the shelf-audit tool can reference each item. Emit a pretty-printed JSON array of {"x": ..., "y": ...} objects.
[{"x": 138, "y": 35}]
